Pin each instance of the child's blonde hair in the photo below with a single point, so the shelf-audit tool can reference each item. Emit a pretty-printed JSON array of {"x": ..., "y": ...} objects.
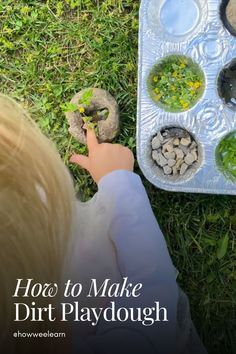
[{"x": 36, "y": 203}]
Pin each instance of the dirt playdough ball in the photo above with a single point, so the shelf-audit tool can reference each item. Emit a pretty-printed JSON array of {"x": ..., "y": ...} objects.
[
  {"x": 226, "y": 156},
  {"x": 96, "y": 107},
  {"x": 176, "y": 83}
]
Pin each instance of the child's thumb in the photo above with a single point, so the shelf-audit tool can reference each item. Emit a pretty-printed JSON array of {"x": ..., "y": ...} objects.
[{"x": 81, "y": 160}]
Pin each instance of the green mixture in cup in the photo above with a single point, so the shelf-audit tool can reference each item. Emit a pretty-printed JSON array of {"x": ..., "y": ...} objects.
[
  {"x": 176, "y": 83},
  {"x": 226, "y": 156}
]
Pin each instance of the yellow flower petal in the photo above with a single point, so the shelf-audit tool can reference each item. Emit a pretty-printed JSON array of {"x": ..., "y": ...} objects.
[
  {"x": 155, "y": 79},
  {"x": 81, "y": 110}
]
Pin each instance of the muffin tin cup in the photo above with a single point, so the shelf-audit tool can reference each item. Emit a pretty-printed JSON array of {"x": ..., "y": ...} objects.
[
  {"x": 212, "y": 47},
  {"x": 189, "y": 174},
  {"x": 195, "y": 68}
]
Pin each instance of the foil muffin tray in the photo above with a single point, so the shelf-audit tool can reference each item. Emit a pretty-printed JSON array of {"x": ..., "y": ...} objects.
[{"x": 192, "y": 28}]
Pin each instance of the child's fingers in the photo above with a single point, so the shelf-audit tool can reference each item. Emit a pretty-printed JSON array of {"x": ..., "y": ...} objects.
[
  {"x": 81, "y": 160},
  {"x": 92, "y": 140}
]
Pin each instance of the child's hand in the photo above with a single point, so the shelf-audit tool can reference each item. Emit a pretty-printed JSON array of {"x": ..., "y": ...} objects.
[{"x": 104, "y": 158}]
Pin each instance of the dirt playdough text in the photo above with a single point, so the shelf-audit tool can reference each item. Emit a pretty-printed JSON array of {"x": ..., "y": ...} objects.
[{"x": 73, "y": 311}]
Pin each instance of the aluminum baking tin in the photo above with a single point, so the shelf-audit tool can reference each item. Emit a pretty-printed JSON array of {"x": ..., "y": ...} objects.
[{"x": 193, "y": 28}]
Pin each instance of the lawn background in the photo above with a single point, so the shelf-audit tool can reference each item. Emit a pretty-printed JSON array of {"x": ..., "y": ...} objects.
[{"x": 51, "y": 49}]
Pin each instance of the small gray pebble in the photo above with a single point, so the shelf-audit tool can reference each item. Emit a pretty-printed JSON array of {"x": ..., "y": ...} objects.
[
  {"x": 195, "y": 155},
  {"x": 179, "y": 153},
  {"x": 179, "y": 163},
  {"x": 167, "y": 170},
  {"x": 183, "y": 169},
  {"x": 189, "y": 159},
  {"x": 193, "y": 145},
  {"x": 185, "y": 149},
  {"x": 161, "y": 160},
  {"x": 160, "y": 136},
  {"x": 175, "y": 171},
  {"x": 171, "y": 162},
  {"x": 167, "y": 140},
  {"x": 185, "y": 141},
  {"x": 155, "y": 155},
  {"x": 169, "y": 155},
  {"x": 168, "y": 147},
  {"x": 156, "y": 143},
  {"x": 176, "y": 142}
]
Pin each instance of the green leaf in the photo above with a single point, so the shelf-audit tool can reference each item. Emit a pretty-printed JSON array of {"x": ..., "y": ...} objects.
[
  {"x": 222, "y": 247},
  {"x": 87, "y": 119},
  {"x": 210, "y": 241},
  {"x": 210, "y": 278},
  {"x": 69, "y": 107},
  {"x": 86, "y": 97}
]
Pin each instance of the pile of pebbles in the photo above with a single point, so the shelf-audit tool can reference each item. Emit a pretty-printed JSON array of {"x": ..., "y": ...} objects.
[{"x": 175, "y": 151}]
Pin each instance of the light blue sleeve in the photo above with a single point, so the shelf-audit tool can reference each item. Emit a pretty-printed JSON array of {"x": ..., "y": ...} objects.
[
  {"x": 134, "y": 229},
  {"x": 142, "y": 255}
]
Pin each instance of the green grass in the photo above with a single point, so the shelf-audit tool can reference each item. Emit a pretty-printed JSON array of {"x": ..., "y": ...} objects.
[
  {"x": 226, "y": 156},
  {"x": 50, "y": 50}
]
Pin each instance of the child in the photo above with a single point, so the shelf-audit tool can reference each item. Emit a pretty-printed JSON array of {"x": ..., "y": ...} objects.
[{"x": 115, "y": 236}]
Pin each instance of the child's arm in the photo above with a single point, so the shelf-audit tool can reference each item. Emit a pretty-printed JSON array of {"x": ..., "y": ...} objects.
[
  {"x": 134, "y": 227},
  {"x": 141, "y": 249},
  {"x": 142, "y": 256}
]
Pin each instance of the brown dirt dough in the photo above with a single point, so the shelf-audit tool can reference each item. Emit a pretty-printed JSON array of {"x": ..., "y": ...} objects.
[{"x": 108, "y": 128}]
